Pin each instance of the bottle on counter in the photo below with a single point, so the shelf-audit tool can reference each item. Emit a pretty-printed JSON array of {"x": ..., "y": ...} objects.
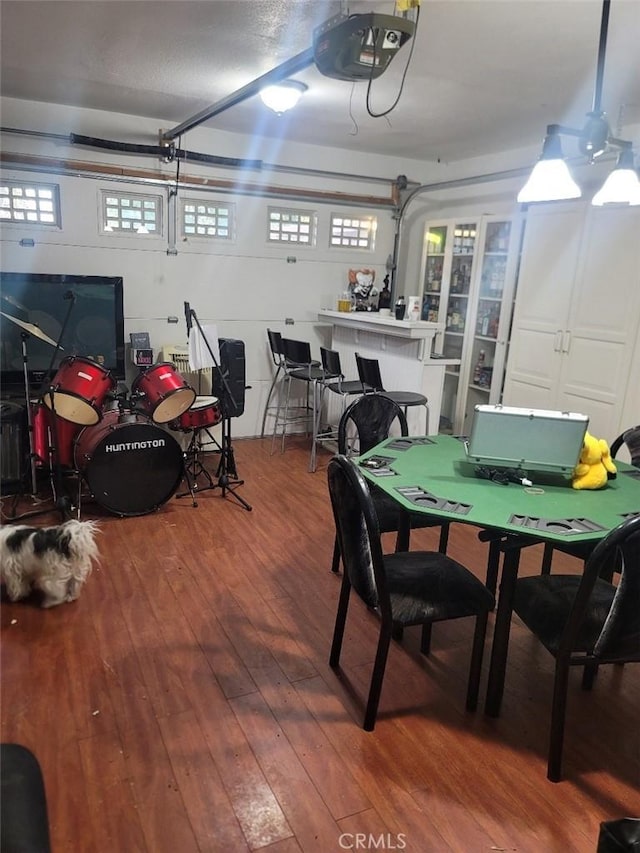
[
  {"x": 400, "y": 308},
  {"x": 384, "y": 298}
]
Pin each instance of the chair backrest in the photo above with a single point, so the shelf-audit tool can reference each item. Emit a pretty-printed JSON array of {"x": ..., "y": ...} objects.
[
  {"x": 331, "y": 362},
  {"x": 619, "y": 638},
  {"x": 369, "y": 373},
  {"x": 296, "y": 352},
  {"x": 358, "y": 533},
  {"x": 372, "y": 416},
  {"x": 631, "y": 438},
  {"x": 275, "y": 343}
]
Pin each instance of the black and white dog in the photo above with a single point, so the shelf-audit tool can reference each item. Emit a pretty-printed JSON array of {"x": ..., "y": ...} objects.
[{"x": 54, "y": 560}]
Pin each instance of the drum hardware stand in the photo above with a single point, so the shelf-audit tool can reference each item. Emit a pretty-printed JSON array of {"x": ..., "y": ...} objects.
[
  {"x": 194, "y": 467},
  {"x": 61, "y": 502},
  {"x": 226, "y": 473}
]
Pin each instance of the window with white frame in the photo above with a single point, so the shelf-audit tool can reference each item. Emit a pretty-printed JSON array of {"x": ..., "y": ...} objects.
[
  {"x": 30, "y": 204},
  {"x": 130, "y": 213},
  {"x": 353, "y": 232},
  {"x": 205, "y": 218},
  {"x": 288, "y": 225}
]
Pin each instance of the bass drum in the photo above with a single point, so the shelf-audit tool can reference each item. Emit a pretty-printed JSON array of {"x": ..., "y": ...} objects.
[{"x": 131, "y": 465}]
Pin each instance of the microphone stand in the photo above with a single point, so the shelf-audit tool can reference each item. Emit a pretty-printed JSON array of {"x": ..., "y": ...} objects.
[{"x": 226, "y": 474}]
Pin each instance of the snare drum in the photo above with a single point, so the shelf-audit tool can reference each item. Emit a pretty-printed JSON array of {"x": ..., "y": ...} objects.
[
  {"x": 205, "y": 412},
  {"x": 52, "y": 437},
  {"x": 166, "y": 394},
  {"x": 78, "y": 390},
  {"x": 131, "y": 465}
]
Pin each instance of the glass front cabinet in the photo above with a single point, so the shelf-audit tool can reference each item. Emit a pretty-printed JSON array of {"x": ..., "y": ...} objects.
[{"x": 469, "y": 269}]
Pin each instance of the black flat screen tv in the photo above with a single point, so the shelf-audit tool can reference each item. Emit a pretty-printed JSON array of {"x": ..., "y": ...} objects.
[{"x": 83, "y": 312}]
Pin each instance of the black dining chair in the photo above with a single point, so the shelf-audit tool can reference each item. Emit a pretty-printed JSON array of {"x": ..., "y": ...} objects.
[
  {"x": 584, "y": 620},
  {"x": 371, "y": 378},
  {"x": 402, "y": 589},
  {"x": 25, "y": 824},
  {"x": 365, "y": 423},
  {"x": 630, "y": 439}
]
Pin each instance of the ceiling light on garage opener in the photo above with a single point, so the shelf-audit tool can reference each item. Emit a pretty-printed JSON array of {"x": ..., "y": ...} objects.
[{"x": 282, "y": 96}]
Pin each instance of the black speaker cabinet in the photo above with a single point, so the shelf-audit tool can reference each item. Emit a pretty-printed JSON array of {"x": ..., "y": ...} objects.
[
  {"x": 232, "y": 369},
  {"x": 14, "y": 446}
]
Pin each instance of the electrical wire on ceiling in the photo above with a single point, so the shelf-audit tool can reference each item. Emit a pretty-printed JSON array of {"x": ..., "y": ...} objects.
[
  {"x": 404, "y": 73},
  {"x": 356, "y": 129}
]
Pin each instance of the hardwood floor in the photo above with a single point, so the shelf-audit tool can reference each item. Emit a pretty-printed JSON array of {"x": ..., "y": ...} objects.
[{"x": 185, "y": 702}]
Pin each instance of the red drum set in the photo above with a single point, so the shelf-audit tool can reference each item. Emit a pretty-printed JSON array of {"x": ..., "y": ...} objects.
[{"x": 117, "y": 445}]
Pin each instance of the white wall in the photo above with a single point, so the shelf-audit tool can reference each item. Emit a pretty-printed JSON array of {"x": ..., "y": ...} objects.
[{"x": 243, "y": 286}]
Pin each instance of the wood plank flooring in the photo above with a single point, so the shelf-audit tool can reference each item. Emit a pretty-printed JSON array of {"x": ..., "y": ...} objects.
[{"x": 185, "y": 702}]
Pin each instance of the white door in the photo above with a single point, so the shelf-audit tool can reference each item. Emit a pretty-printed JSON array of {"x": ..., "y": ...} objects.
[{"x": 598, "y": 343}]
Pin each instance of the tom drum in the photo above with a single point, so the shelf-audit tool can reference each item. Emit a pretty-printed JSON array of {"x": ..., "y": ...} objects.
[
  {"x": 53, "y": 437},
  {"x": 131, "y": 465},
  {"x": 78, "y": 390},
  {"x": 166, "y": 394}
]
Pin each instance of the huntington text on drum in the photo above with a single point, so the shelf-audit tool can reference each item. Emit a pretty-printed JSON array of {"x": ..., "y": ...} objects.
[{"x": 135, "y": 445}]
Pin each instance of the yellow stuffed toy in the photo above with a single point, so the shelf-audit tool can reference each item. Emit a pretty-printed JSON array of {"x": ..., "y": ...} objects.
[{"x": 595, "y": 466}]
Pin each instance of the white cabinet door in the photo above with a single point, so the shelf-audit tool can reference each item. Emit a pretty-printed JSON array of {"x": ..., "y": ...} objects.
[
  {"x": 603, "y": 319},
  {"x": 577, "y": 314},
  {"x": 545, "y": 282}
]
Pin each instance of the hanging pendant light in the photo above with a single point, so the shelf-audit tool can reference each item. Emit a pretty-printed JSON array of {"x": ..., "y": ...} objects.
[
  {"x": 551, "y": 180},
  {"x": 623, "y": 185}
]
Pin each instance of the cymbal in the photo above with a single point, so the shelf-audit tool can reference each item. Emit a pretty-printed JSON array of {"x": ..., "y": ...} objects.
[{"x": 36, "y": 331}]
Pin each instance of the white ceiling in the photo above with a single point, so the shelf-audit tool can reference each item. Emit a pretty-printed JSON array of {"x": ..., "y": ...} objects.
[{"x": 485, "y": 75}]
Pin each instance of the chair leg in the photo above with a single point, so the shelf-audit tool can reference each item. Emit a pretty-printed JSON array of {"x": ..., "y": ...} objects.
[
  {"x": 547, "y": 557},
  {"x": 335, "y": 563},
  {"x": 444, "y": 539},
  {"x": 280, "y": 419},
  {"x": 404, "y": 532},
  {"x": 425, "y": 638},
  {"x": 558, "y": 713},
  {"x": 269, "y": 395},
  {"x": 589, "y": 675},
  {"x": 376, "y": 678},
  {"x": 318, "y": 398},
  {"x": 397, "y": 632},
  {"x": 341, "y": 618},
  {"x": 477, "y": 654}
]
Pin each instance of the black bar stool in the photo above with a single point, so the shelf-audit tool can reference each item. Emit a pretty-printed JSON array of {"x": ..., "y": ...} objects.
[
  {"x": 369, "y": 373},
  {"x": 298, "y": 365},
  {"x": 335, "y": 382},
  {"x": 277, "y": 356}
]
